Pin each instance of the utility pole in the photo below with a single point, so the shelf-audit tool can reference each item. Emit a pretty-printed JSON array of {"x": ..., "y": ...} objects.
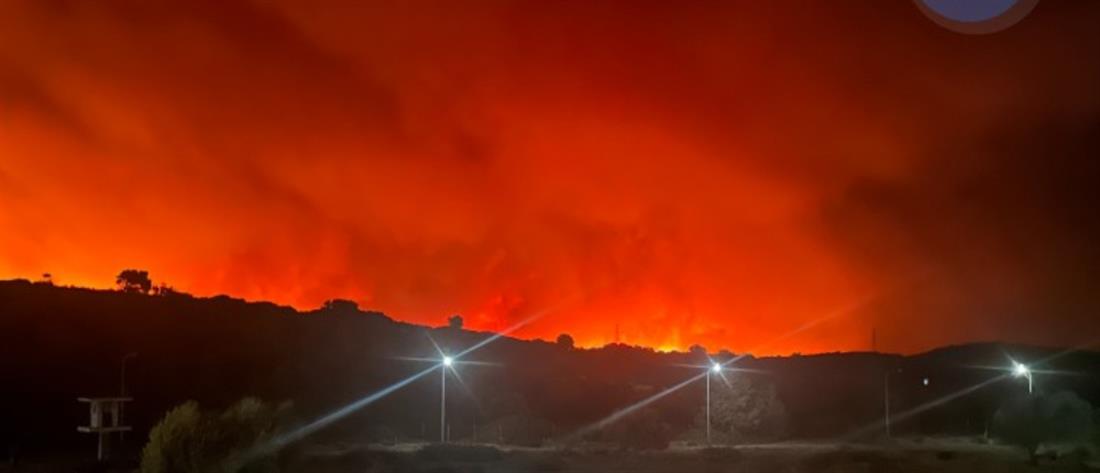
[
  {"x": 443, "y": 404},
  {"x": 886, "y": 401}
]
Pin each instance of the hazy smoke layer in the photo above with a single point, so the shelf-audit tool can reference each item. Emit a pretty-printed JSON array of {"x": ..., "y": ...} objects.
[{"x": 715, "y": 173}]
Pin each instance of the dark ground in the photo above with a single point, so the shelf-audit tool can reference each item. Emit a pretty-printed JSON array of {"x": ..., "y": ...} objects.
[
  {"x": 905, "y": 456},
  {"x": 969, "y": 455}
]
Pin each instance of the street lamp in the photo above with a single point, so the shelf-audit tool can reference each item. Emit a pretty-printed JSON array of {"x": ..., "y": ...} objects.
[
  {"x": 447, "y": 363},
  {"x": 1021, "y": 370},
  {"x": 886, "y": 399},
  {"x": 715, "y": 368}
]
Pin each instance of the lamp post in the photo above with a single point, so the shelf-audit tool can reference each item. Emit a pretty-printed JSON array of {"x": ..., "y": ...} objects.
[
  {"x": 714, "y": 369},
  {"x": 1021, "y": 370},
  {"x": 447, "y": 363}
]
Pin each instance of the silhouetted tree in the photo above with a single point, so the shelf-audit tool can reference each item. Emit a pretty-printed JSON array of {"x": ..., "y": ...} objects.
[
  {"x": 47, "y": 279},
  {"x": 340, "y": 306},
  {"x": 455, "y": 322},
  {"x": 133, "y": 280},
  {"x": 565, "y": 341},
  {"x": 697, "y": 350},
  {"x": 1030, "y": 420}
]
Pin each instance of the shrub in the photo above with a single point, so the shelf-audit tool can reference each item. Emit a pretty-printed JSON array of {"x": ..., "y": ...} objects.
[
  {"x": 189, "y": 440},
  {"x": 168, "y": 450},
  {"x": 1029, "y": 421}
]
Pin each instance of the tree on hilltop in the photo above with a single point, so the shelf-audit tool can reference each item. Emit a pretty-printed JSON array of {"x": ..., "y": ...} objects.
[
  {"x": 134, "y": 281},
  {"x": 565, "y": 341}
]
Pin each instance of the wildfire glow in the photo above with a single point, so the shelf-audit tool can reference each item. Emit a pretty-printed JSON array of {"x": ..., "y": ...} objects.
[{"x": 706, "y": 176}]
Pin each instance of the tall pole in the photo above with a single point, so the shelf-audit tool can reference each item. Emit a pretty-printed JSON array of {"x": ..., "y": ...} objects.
[
  {"x": 443, "y": 404},
  {"x": 1029, "y": 382},
  {"x": 886, "y": 401},
  {"x": 708, "y": 407}
]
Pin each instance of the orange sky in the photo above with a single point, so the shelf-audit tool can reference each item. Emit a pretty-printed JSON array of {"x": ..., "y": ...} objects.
[{"x": 717, "y": 172}]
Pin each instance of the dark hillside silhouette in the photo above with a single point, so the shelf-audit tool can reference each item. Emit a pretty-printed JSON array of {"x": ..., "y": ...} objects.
[{"x": 60, "y": 343}]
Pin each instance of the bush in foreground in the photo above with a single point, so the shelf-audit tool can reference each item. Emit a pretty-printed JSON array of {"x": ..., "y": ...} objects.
[
  {"x": 190, "y": 440},
  {"x": 1032, "y": 420}
]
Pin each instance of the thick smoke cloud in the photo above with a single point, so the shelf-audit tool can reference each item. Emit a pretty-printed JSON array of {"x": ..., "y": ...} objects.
[{"x": 715, "y": 173}]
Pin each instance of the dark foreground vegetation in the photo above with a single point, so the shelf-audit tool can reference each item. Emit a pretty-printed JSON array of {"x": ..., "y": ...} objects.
[{"x": 198, "y": 357}]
